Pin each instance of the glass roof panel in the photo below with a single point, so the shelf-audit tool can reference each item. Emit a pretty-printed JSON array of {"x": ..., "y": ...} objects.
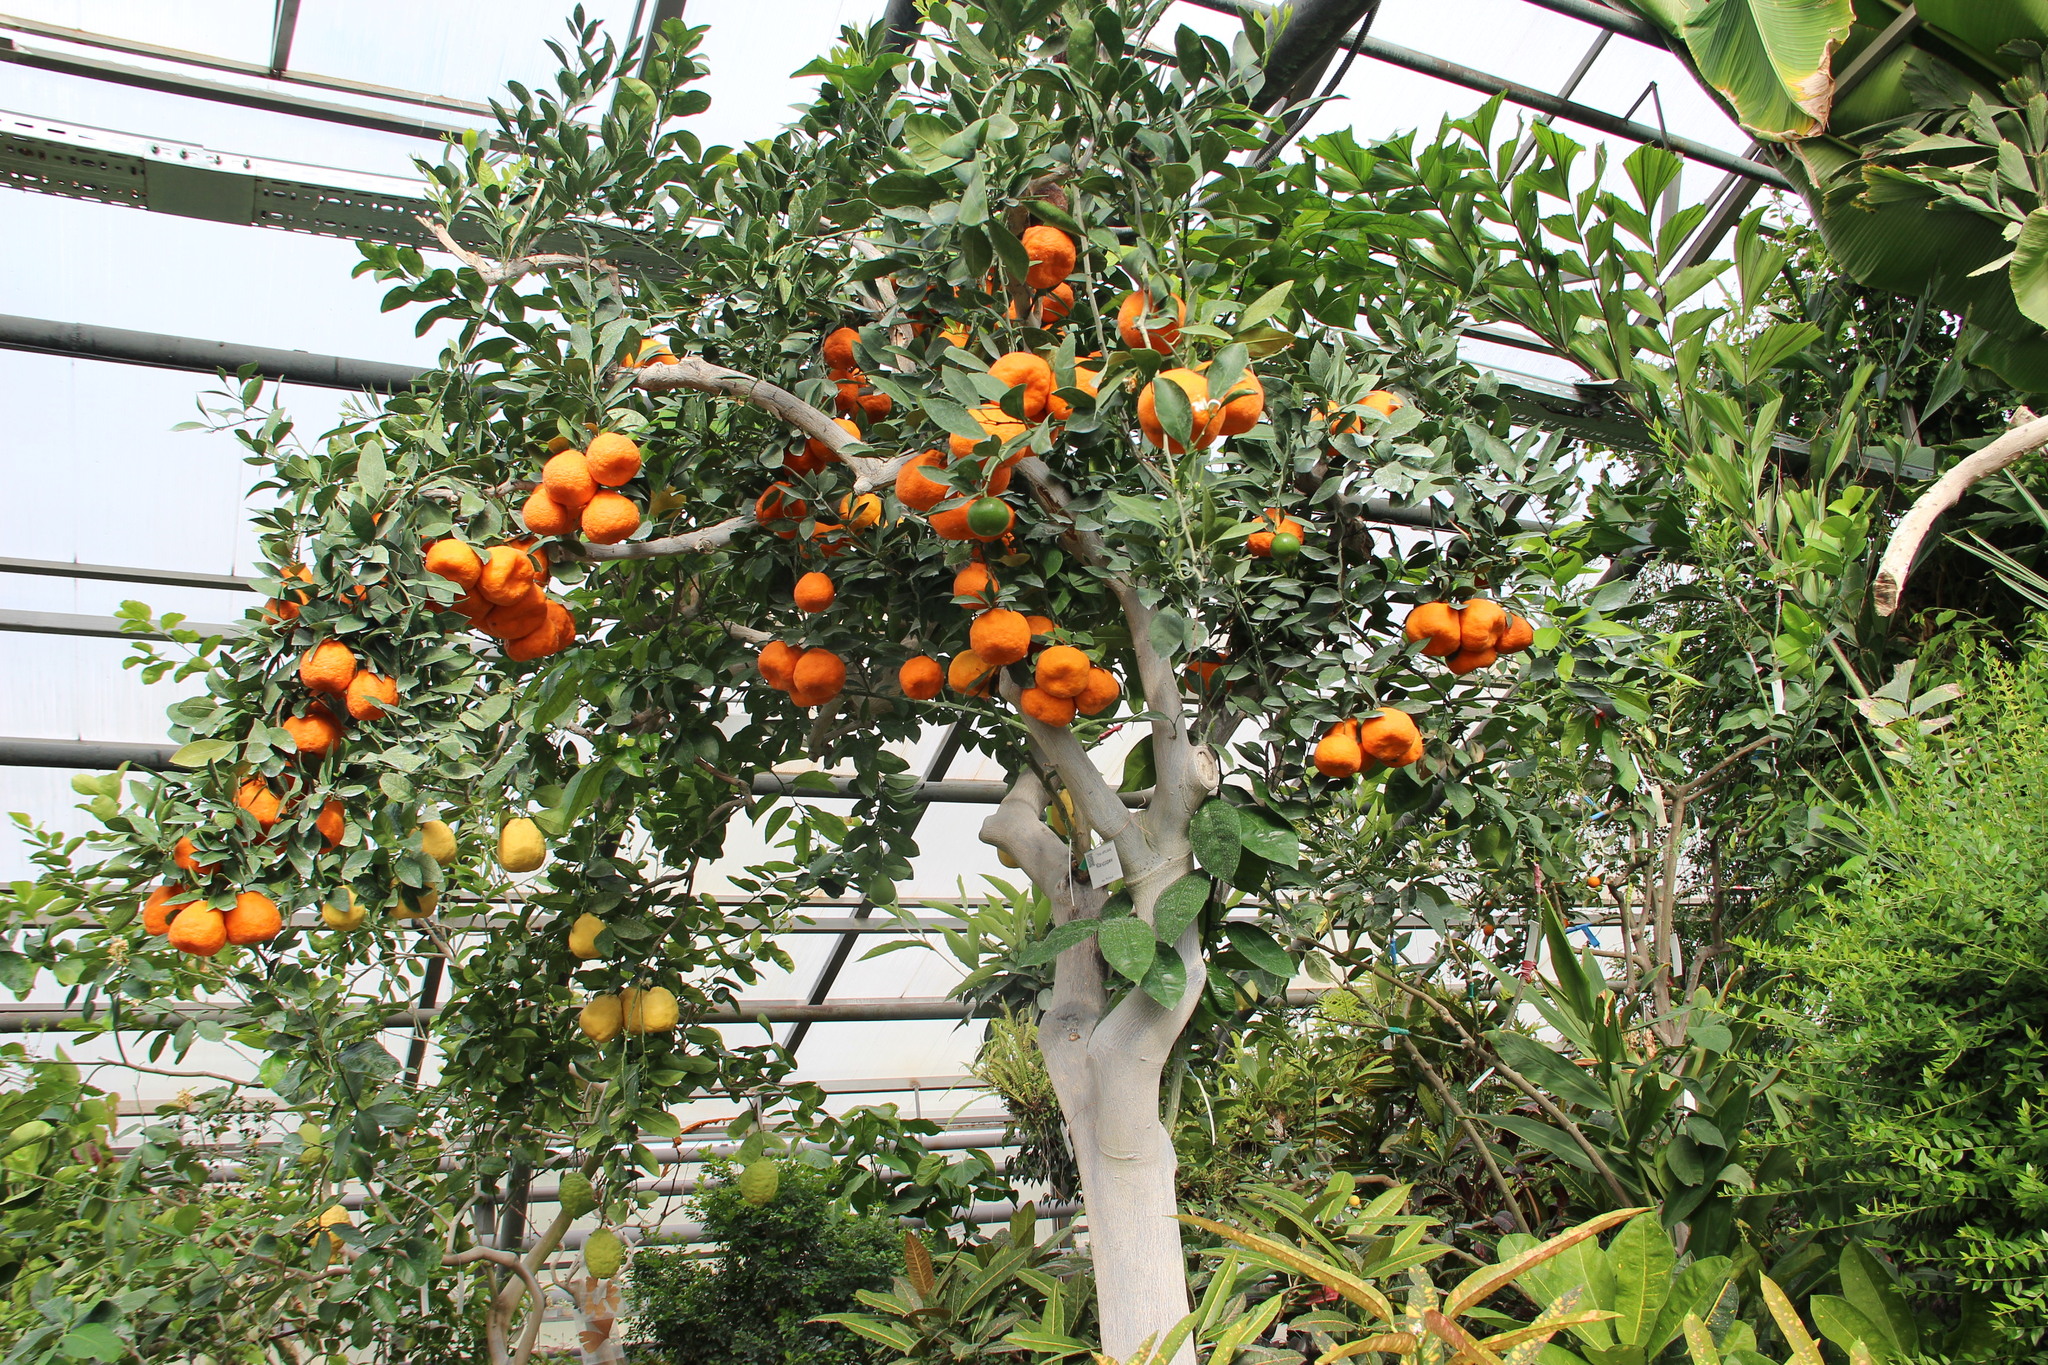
[
  {"x": 236, "y": 29},
  {"x": 440, "y": 49},
  {"x": 753, "y": 48}
]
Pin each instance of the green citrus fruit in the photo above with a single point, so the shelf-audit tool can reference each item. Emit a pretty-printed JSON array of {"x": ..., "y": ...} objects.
[
  {"x": 1286, "y": 545},
  {"x": 758, "y": 1182},
  {"x": 576, "y": 1195},
  {"x": 603, "y": 1254},
  {"x": 988, "y": 518}
]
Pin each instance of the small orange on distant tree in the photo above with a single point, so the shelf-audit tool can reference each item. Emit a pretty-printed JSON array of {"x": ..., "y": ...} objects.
[
  {"x": 1338, "y": 754},
  {"x": 975, "y": 584},
  {"x": 1437, "y": 623},
  {"x": 614, "y": 459},
  {"x": 256, "y": 797},
  {"x": 838, "y": 348},
  {"x": 331, "y": 822},
  {"x": 777, "y": 662},
  {"x": 1051, "y": 253},
  {"x": 1099, "y": 693},
  {"x": 1062, "y": 671},
  {"x": 454, "y": 561},
  {"x": 609, "y": 518},
  {"x": 819, "y": 676},
  {"x": 1387, "y": 736},
  {"x": 200, "y": 930},
  {"x": 315, "y": 733},
  {"x": 1032, "y": 373},
  {"x": 185, "y": 856},
  {"x": 969, "y": 674},
  {"x": 1142, "y": 324},
  {"x": 254, "y": 918},
  {"x": 1044, "y": 707},
  {"x": 543, "y": 516},
  {"x": 1000, "y": 637},
  {"x": 369, "y": 694}
]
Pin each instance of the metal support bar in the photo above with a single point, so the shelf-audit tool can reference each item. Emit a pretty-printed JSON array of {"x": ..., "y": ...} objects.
[
  {"x": 1528, "y": 97},
  {"x": 1298, "y": 53},
  {"x": 122, "y": 346},
  {"x": 221, "y": 92},
  {"x": 115, "y": 573},
  {"x": 1601, "y": 16},
  {"x": 281, "y": 31},
  {"x": 828, "y": 975},
  {"x": 97, "y": 627},
  {"x": 904, "y": 24},
  {"x": 206, "y": 61}
]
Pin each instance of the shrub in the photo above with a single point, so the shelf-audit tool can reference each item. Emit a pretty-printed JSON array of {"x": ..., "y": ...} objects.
[
  {"x": 780, "y": 1265},
  {"x": 1915, "y": 1008}
]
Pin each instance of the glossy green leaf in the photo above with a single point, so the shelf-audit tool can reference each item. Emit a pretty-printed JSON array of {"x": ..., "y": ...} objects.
[{"x": 1216, "y": 835}]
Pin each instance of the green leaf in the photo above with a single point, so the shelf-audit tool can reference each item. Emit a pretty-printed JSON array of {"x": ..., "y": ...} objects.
[
  {"x": 1138, "y": 769},
  {"x": 1642, "y": 1257},
  {"x": 1176, "y": 416},
  {"x": 953, "y": 417},
  {"x": 1771, "y": 59},
  {"x": 1127, "y": 945},
  {"x": 1540, "y": 1134},
  {"x": 1870, "y": 1291},
  {"x": 201, "y": 752},
  {"x": 1178, "y": 905},
  {"x": 906, "y": 189},
  {"x": 1842, "y": 1324},
  {"x": 1069, "y": 935},
  {"x": 1269, "y": 836},
  {"x": 874, "y": 1329},
  {"x": 1262, "y": 948},
  {"x": 93, "y": 1341},
  {"x": 1549, "y": 1070},
  {"x": 1263, "y": 307},
  {"x": 1167, "y": 981},
  {"x": 1216, "y": 835},
  {"x": 924, "y": 140},
  {"x": 2029, "y": 270}
]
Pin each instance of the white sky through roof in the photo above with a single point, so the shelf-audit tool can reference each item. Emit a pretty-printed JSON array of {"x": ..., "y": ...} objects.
[{"x": 96, "y": 474}]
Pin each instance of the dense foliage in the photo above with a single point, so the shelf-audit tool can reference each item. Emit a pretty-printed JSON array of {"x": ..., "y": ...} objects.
[{"x": 777, "y": 1266}]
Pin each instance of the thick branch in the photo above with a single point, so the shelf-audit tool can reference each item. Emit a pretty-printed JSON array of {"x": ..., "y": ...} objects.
[
  {"x": 701, "y": 541},
  {"x": 1948, "y": 490},
  {"x": 500, "y": 1319},
  {"x": 691, "y": 372},
  {"x": 504, "y": 272},
  {"x": 1016, "y": 829}
]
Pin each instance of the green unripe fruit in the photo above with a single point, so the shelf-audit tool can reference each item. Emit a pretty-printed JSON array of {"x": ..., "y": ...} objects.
[
  {"x": 759, "y": 1181},
  {"x": 988, "y": 517},
  {"x": 577, "y": 1198},
  {"x": 603, "y": 1254},
  {"x": 1286, "y": 545}
]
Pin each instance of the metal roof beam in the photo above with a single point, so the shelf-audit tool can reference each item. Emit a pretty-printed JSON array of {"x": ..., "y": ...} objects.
[
  {"x": 114, "y": 573},
  {"x": 1528, "y": 97},
  {"x": 154, "y": 349},
  {"x": 281, "y": 31},
  {"x": 1296, "y": 56}
]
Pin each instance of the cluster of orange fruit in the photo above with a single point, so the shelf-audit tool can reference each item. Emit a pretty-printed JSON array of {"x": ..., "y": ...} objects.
[
  {"x": 192, "y": 926},
  {"x": 1065, "y": 681},
  {"x": 503, "y": 595},
  {"x": 329, "y": 670},
  {"x": 1468, "y": 637},
  {"x": 1388, "y": 737},
  {"x": 575, "y": 492},
  {"x": 812, "y": 677}
]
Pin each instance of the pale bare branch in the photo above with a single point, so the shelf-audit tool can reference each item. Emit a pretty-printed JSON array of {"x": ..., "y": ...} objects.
[
  {"x": 2030, "y": 435},
  {"x": 504, "y": 272}
]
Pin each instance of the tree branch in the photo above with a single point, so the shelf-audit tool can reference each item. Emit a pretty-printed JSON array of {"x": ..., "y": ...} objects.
[
  {"x": 504, "y": 272},
  {"x": 1948, "y": 490},
  {"x": 1016, "y": 829},
  {"x": 495, "y": 1326},
  {"x": 704, "y": 540},
  {"x": 701, "y": 376}
]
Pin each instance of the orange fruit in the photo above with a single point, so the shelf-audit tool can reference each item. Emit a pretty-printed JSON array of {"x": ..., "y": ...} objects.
[
  {"x": 861, "y": 512},
  {"x": 818, "y": 677},
  {"x": 1141, "y": 325},
  {"x": 814, "y": 592},
  {"x": 537, "y": 643},
  {"x": 1386, "y": 735},
  {"x": 1436, "y": 622},
  {"x": 610, "y": 518},
  {"x": 315, "y": 733},
  {"x": 1040, "y": 625},
  {"x": 1087, "y": 381},
  {"x": 1021, "y": 369},
  {"x": 838, "y": 348},
  {"x": 957, "y": 334},
  {"x": 1516, "y": 636},
  {"x": 865, "y": 399},
  {"x": 1272, "y": 522},
  {"x": 1411, "y": 755},
  {"x": 253, "y": 919},
  {"x": 773, "y": 507},
  {"x": 1063, "y": 671},
  {"x": 156, "y": 911},
  {"x": 920, "y": 678},
  {"x": 1048, "y": 308},
  {"x": 454, "y": 561},
  {"x": 508, "y": 574},
  {"x": 327, "y": 667},
  {"x": 613, "y": 459},
  {"x": 1045, "y": 708},
  {"x": 1242, "y": 406},
  {"x": 917, "y": 492},
  {"x": 975, "y": 583},
  {"x": 1480, "y": 623},
  {"x": 566, "y": 477},
  {"x": 1196, "y": 387},
  {"x": 1000, "y": 637},
  {"x": 1466, "y": 660},
  {"x": 1384, "y": 401},
  {"x": 564, "y": 622},
  {"x": 777, "y": 662},
  {"x": 1099, "y": 693},
  {"x": 1051, "y": 253},
  {"x": 517, "y": 618},
  {"x": 200, "y": 930},
  {"x": 994, "y": 422},
  {"x": 369, "y": 694},
  {"x": 544, "y": 516},
  {"x": 331, "y": 822},
  {"x": 185, "y": 856},
  {"x": 1202, "y": 672},
  {"x": 968, "y": 673},
  {"x": 1338, "y": 754}
]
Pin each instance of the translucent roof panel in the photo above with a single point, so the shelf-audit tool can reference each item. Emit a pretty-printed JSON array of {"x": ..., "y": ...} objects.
[
  {"x": 238, "y": 30},
  {"x": 464, "y": 51}
]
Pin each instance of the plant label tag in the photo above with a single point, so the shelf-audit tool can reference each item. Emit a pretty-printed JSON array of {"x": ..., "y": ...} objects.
[{"x": 1103, "y": 864}]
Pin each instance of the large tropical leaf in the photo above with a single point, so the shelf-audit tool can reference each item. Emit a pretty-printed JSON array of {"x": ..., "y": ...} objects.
[
  {"x": 1772, "y": 60},
  {"x": 1301, "y": 1263}
]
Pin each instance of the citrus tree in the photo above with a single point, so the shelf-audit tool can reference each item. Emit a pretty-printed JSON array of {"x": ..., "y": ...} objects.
[{"x": 1002, "y": 391}]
